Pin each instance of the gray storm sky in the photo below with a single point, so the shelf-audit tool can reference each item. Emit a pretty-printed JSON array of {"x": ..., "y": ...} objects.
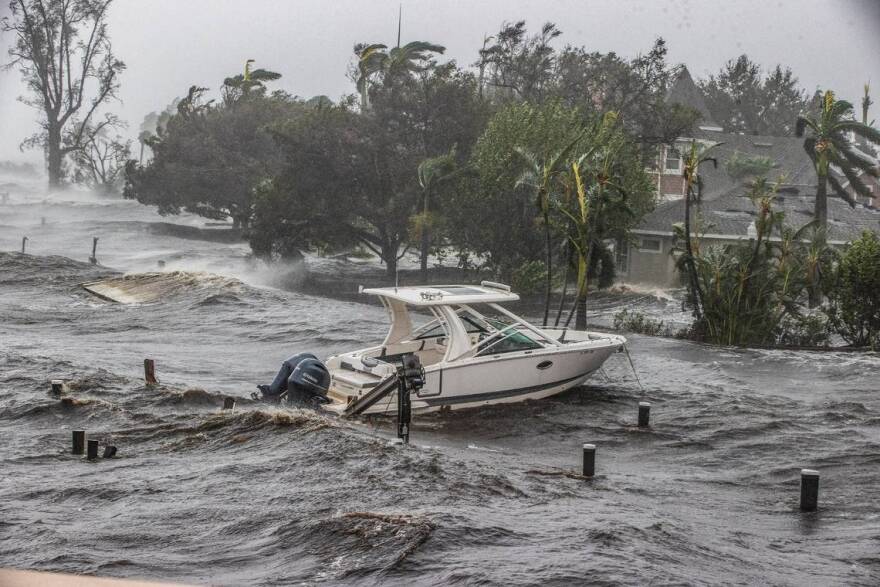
[{"x": 169, "y": 45}]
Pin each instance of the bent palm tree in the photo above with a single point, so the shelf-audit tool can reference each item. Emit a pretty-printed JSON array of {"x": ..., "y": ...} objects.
[
  {"x": 374, "y": 61},
  {"x": 540, "y": 175},
  {"x": 828, "y": 144},
  {"x": 432, "y": 172},
  {"x": 697, "y": 156}
]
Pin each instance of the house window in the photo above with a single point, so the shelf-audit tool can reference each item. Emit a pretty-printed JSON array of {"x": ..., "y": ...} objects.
[
  {"x": 673, "y": 160},
  {"x": 621, "y": 256},
  {"x": 651, "y": 245}
]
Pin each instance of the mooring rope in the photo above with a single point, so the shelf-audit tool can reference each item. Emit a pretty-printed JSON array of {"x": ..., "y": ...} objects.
[{"x": 633, "y": 367}]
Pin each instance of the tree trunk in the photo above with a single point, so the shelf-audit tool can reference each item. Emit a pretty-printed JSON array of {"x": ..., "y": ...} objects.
[
  {"x": 564, "y": 285},
  {"x": 389, "y": 255},
  {"x": 53, "y": 146},
  {"x": 689, "y": 251},
  {"x": 820, "y": 212},
  {"x": 426, "y": 242},
  {"x": 549, "y": 288},
  {"x": 821, "y": 206}
]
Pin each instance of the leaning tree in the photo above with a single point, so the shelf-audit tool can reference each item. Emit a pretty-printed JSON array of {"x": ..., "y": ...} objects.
[
  {"x": 829, "y": 143},
  {"x": 62, "y": 49}
]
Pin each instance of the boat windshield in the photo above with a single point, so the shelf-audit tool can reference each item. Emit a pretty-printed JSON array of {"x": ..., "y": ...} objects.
[
  {"x": 435, "y": 329},
  {"x": 508, "y": 338}
]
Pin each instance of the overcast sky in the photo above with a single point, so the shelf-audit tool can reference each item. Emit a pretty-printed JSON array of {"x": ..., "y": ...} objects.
[{"x": 169, "y": 45}]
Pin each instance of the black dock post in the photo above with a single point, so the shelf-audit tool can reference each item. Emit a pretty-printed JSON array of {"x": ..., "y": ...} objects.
[
  {"x": 57, "y": 386},
  {"x": 94, "y": 259},
  {"x": 24, "y": 241},
  {"x": 229, "y": 403},
  {"x": 109, "y": 452},
  {"x": 809, "y": 490},
  {"x": 644, "y": 414},
  {"x": 92, "y": 451},
  {"x": 589, "y": 460},
  {"x": 79, "y": 442}
]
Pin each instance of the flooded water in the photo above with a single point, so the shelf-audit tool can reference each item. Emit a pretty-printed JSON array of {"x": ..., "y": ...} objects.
[{"x": 278, "y": 496}]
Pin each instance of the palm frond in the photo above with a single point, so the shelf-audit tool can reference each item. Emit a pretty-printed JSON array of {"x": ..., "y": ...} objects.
[
  {"x": 854, "y": 180},
  {"x": 862, "y": 130},
  {"x": 838, "y": 189}
]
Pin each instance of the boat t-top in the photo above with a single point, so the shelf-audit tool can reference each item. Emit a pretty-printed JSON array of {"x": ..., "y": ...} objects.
[{"x": 474, "y": 352}]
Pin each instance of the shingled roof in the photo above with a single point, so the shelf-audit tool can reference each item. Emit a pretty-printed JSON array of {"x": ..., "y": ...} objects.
[
  {"x": 790, "y": 161},
  {"x": 730, "y": 215}
]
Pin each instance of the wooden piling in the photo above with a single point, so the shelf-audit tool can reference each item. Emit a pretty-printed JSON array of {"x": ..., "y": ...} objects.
[
  {"x": 109, "y": 452},
  {"x": 150, "y": 372},
  {"x": 94, "y": 259},
  {"x": 24, "y": 241}
]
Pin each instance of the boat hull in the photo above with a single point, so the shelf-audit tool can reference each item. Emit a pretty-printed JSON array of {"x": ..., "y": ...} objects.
[{"x": 499, "y": 379}]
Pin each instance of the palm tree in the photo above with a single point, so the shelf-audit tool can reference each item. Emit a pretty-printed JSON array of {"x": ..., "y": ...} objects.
[
  {"x": 828, "y": 143},
  {"x": 374, "y": 61},
  {"x": 432, "y": 172},
  {"x": 241, "y": 85},
  {"x": 697, "y": 156},
  {"x": 540, "y": 174},
  {"x": 591, "y": 202}
]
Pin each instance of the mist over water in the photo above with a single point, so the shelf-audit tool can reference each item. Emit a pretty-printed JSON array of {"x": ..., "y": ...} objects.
[{"x": 276, "y": 496}]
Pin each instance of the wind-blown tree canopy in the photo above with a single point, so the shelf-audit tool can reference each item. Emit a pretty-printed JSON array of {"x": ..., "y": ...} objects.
[
  {"x": 63, "y": 51},
  {"x": 248, "y": 83},
  {"x": 365, "y": 165},
  {"x": 100, "y": 161},
  {"x": 517, "y": 67},
  {"x": 828, "y": 143},
  {"x": 376, "y": 63},
  {"x": 743, "y": 99},
  {"x": 497, "y": 220},
  {"x": 208, "y": 159}
]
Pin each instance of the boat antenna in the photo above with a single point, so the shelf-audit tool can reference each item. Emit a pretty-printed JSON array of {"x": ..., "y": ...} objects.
[{"x": 399, "y": 18}]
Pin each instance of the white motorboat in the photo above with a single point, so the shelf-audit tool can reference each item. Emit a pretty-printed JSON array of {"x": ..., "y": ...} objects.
[{"x": 474, "y": 352}]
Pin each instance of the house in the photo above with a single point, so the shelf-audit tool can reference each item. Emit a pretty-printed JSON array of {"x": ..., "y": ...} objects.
[
  {"x": 725, "y": 211},
  {"x": 648, "y": 257}
]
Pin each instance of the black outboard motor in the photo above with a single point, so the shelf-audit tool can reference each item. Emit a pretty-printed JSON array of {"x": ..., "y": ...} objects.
[
  {"x": 309, "y": 382},
  {"x": 278, "y": 388}
]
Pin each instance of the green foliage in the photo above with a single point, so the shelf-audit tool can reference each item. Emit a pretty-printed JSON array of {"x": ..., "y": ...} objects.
[
  {"x": 492, "y": 193},
  {"x": 828, "y": 143},
  {"x": 352, "y": 176},
  {"x": 750, "y": 289},
  {"x": 634, "y": 321},
  {"x": 741, "y": 166},
  {"x": 743, "y": 99},
  {"x": 208, "y": 159},
  {"x": 855, "y": 297},
  {"x": 515, "y": 67},
  {"x": 529, "y": 277},
  {"x": 805, "y": 330}
]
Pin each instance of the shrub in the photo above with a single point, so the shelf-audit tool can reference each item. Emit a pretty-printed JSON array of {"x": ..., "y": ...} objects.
[
  {"x": 639, "y": 323},
  {"x": 529, "y": 277},
  {"x": 854, "y": 308}
]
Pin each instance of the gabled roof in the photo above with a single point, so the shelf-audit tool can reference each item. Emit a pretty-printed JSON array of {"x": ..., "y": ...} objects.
[
  {"x": 731, "y": 214},
  {"x": 444, "y": 295},
  {"x": 684, "y": 91}
]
